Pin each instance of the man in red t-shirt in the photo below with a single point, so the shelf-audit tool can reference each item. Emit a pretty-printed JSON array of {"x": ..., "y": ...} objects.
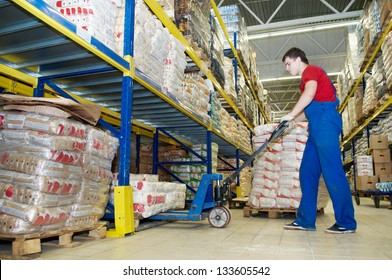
[{"x": 318, "y": 104}]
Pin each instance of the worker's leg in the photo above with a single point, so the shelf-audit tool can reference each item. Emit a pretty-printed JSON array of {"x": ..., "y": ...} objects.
[
  {"x": 328, "y": 148},
  {"x": 309, "y": 176}
]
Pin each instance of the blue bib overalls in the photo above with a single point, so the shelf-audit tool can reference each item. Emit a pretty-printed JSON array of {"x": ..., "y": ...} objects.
[{"x": 322, "y": 156}]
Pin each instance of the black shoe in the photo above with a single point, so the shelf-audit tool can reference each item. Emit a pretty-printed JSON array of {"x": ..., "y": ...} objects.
[
  {"x": 295, "y": 226},
  {"x": 336, "y": 229}
]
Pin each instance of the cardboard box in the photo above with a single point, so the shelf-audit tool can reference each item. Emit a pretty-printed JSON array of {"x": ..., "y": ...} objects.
[
  {"x": 382, "y": 168},
  {"x": 378, "y": 142},
  {"x": 364, "y": 158},
  {"x": 385, "y": 178},
  {"x": 365, "y": 172},
  {"x": 381, "y": 156},
  {"x": 364, "y": 166},
  {"x": 364, "y": 183}
]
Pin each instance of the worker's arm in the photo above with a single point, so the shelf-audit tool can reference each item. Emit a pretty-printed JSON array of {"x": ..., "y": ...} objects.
[{"x": 305, "y": 99}]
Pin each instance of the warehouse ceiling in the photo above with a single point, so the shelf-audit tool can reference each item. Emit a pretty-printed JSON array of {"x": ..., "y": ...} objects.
[{"x": 295, "y": 23}]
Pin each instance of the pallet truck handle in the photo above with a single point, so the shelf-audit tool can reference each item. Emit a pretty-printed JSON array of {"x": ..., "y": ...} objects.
[{"x": 275, "y": 134}]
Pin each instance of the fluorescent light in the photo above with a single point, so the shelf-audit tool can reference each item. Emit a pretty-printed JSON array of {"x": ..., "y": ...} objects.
[
  {"x": 304, "y": 29},
  {"x": 293, "y": 77}
]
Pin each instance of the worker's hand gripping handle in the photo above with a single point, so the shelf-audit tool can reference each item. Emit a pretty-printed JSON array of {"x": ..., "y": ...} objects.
[{"x": 283, "y": 125}]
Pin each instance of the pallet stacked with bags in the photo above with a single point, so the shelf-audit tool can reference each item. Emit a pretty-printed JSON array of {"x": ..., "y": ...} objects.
[
  {"x": 275, "y": 185},
  {"x": 55, "y": 174}
]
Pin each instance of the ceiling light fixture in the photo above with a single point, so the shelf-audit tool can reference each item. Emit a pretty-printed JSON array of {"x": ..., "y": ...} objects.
[
  {"x": 304, "y": 29},
  {"x": 293, "y": 77}
]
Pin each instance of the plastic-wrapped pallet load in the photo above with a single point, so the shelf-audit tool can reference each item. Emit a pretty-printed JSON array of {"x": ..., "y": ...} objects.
[
  {"x": 276, "y": 170},
  {"x": 386, "y": 48},
  {"x": 97, "y": 17},
  {"x": 46, "y": 164},
  {"x": 151, "y": 196}
]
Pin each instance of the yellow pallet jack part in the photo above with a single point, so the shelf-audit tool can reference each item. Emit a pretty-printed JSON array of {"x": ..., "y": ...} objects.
[
  {"x": 124, "y": 220},
  {"x": 238, "y": 191}
]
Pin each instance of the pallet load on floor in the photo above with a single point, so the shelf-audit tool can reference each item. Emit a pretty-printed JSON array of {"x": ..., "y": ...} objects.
[{"x": 54, "y": 171}]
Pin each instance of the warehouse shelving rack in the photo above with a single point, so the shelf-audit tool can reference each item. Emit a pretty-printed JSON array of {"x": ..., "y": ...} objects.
[
  {"x": 380, "y": 113},
  {"x": 42, "y": 54}
]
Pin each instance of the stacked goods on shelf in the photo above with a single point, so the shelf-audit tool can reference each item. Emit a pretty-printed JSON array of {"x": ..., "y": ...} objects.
[
  {"x": 195, "y": 96},
  {"x": 229, "y": 126},
  {"x": 353, "y": 62},
  {"x": 54, "y": 172},
  {"x": 379, "y": 78},
  {"x": 169, "y": 153},
  {"x": 192, "y": 19},
  {"x": 372, "y": 27},
  {"x": 191, "y": 174},
  {"x": 168, "y": 7},
  {"x": 175, "y": 64},
  {"x": 276, "y": 171},
  {"x": 227, "y": 166},
  {"x": 157, "y": 53},
  {"x": 151, "y": 43},
  {"x": 386, "y": 48},
  {"x": 245, "y": 101},
  {"x": 145, "y": 160},
  {"x": 369, "y": 97},
  {"x": 385, "y": 13},
  {"x": 384, "y": 126},
  {"x": 235, "y": 24},
  {"x": 358, "y": 96},
  {"x": 229, "y": 79},
  {"x": 216, "y": 108},
  {"x": 244, "y": 137},
  {"x": 98, "y": 17},
  {"x": 150, "y": 196},
  {"x": 217, "y": 57},
  {"x": 266, "y": 101}
]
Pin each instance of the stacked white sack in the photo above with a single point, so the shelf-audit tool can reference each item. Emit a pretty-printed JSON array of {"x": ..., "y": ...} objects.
[
  {"x": 98, "y": 18},
  {"x": 151, "y": 197},
  {"x": 276, "y": 170},
  {"x": 43, "y": 168}
]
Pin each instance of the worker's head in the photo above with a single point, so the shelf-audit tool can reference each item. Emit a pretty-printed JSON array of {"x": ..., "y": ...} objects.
[{"x": 292, "y": 59}]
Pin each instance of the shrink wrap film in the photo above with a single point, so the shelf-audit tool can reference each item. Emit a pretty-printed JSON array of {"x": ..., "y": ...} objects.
[
  {"x": 14, "y": 225},
  {"x": 35, "y": 215},
  {"x": 32, "y": 197},
  {"x": 44, "y": 184}
]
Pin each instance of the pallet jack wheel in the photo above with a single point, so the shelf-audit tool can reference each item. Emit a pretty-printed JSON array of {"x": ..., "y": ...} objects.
[
  {"x": 219, "y": 217},
  {"x": 357, "y": 199},
  {"x": 376, "y": 199}
]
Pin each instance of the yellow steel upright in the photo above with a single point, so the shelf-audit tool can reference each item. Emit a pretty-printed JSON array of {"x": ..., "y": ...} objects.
[
  {"x": 238, "y": 191},
  {"x": 124, "y": 220}
]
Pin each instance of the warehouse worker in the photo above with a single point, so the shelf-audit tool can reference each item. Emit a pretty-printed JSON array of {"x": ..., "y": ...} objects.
[{"x": 318, "y": 104}]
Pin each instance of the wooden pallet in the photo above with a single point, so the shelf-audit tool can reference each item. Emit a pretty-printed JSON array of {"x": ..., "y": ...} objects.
[
  {"x": 273, "y": 213},
  {"x": 29, "y": 246},
  {"x": 238, "y": 202}
]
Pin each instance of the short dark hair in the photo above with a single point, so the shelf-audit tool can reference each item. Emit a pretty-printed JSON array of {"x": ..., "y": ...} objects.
[{"x": 294, "y": 53}]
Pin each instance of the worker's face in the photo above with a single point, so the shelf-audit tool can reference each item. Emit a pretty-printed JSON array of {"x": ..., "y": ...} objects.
[{"x": 292, "y": 65}]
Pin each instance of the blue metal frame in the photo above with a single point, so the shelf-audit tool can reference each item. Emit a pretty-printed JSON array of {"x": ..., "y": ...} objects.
[
  {"x": 126, "y": 98},
  {"x": 201, "y": 203},
  {"x": 127, "y": 83}
]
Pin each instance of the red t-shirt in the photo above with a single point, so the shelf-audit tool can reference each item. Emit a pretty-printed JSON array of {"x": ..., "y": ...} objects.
[{"x": 325, "y": 91}]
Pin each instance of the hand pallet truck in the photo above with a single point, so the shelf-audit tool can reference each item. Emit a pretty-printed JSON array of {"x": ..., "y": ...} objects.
[{"x": 208, "y": 203}]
